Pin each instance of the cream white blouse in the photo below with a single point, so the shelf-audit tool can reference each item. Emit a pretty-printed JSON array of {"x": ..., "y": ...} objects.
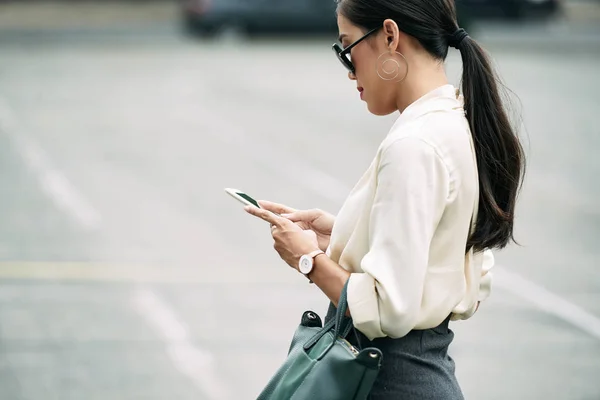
[{"x": 402, "y": 230}]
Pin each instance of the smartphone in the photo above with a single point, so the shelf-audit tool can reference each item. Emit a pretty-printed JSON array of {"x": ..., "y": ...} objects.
[{"x": 242, "y": 197}]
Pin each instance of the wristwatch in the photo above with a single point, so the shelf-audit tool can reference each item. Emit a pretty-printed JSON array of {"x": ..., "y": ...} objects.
[{"x": 307, "y": 262}]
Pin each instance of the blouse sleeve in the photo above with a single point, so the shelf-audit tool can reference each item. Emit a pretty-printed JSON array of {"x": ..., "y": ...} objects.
[{"x": 413, "y": 186}]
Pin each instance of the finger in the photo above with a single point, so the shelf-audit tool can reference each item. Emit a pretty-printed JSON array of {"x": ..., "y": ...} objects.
[
  {"x": 264, "y": 215},
  {"x": 299, "y": 216},
  {"x": 275, "y": 207}
]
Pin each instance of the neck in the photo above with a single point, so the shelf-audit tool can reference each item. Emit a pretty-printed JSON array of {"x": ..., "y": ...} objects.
[{"x": 422, "y": 81}]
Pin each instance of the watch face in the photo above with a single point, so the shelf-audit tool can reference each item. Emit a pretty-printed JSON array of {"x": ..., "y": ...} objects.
[{"x": 306, "y": 264}]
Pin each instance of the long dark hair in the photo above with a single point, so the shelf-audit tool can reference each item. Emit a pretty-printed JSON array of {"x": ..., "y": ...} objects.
[{"x": 500, "y": 156}]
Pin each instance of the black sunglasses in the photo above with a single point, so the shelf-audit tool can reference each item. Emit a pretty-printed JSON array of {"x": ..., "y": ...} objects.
[{"x": 344, "y": 54}]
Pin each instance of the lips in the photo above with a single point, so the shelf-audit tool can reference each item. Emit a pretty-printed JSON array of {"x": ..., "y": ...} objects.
[{"x": 360, "y": 89}]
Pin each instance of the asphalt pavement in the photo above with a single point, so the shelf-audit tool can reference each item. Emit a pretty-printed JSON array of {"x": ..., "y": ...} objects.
[{"x": 128, "y": 273}]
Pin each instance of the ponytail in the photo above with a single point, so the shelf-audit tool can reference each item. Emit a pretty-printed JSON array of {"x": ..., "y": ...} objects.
[{"x": 500, "y": 156}]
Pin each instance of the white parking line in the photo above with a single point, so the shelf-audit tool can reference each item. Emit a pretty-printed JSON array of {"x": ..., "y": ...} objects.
[
  {"x": 195, "y": 363},
  {"x": 333, "y": 189},
  {"x": 54, "y": 184},
  {"x": 547, "y": 301},
  {"x": 190, "y": 360}
]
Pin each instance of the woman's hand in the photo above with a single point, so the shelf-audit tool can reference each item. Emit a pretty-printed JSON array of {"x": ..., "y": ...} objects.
[
  {"x": 318, "y": 221},
  {"x": 291, "y": 241}
]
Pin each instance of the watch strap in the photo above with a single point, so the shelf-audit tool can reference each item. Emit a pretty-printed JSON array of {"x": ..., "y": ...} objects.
[
  {"x": 315, "y": 253},
  {"x": 312, "y": 255}
]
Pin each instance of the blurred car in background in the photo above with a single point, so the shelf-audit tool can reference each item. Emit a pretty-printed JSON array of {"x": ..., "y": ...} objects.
[
  {"x": 508, "y": 9},
  {"x": 208, "y": 17}
]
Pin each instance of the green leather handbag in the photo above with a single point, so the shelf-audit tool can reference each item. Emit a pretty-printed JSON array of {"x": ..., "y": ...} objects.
[{"x": 322, "y": 364}]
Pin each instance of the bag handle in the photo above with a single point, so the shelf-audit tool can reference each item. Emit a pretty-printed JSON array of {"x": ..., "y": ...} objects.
[
  {"x": 341, "y": 309},
  {"x": 336, "y": 323}
]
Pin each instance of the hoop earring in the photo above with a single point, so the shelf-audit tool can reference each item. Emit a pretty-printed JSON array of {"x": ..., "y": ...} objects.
[{"x": 391, "y": 74}]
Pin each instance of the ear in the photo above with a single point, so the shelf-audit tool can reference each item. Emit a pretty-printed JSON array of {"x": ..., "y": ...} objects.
[{"x": 391, "y": 34}]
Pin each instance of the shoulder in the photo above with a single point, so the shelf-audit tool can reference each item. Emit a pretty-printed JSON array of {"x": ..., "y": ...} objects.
[
  {"x": 407, "y": 149},
  {"x": 439, "y": 135},
  {"x": 411, "y": 162}
]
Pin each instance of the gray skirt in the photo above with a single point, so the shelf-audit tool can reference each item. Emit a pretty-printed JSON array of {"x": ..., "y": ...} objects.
[{"x": 415, "y": 367}]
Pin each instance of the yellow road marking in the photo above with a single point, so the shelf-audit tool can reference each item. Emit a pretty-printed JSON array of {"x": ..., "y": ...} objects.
[{"x": 132, "y": 273}]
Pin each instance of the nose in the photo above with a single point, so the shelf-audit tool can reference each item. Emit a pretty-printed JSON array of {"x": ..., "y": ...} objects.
[{"x": 351, "y": 76}]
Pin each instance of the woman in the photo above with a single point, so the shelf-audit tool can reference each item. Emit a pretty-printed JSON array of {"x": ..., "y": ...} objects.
[{"x": 413, "y": 236}]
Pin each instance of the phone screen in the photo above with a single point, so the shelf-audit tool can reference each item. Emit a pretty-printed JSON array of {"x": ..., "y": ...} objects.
[{"x": 246, "y": 197}]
